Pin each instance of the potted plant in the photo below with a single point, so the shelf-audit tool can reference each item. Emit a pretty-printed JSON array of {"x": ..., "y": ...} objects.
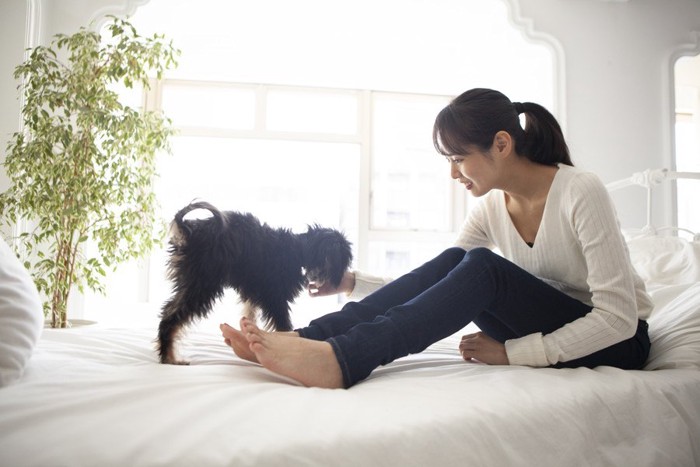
[{"x": 82, "y": 168}]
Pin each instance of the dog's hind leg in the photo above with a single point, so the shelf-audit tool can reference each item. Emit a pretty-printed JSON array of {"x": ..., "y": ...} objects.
[
  {"x": 178, "y": 312},
  {"x": 169, "y": 330}
]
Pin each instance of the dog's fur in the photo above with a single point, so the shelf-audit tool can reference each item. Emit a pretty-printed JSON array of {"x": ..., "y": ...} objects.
[{"x": 268, "y": 267}]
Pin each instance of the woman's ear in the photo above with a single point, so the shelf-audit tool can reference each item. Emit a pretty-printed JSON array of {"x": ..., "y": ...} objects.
[{"x": 502, "y": 143}]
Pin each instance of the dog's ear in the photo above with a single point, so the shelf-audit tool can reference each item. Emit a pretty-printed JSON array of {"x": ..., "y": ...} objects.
[{"x": 329, "y": 253}]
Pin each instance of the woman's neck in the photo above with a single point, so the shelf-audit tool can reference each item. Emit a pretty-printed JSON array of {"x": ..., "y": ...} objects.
[{"x": 529, "y": 184}]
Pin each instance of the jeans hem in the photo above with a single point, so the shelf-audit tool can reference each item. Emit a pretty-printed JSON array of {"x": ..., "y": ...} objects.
[{"x": 342, "y": 362}]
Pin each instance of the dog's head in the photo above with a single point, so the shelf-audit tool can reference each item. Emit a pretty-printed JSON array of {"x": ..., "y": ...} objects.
[{"x": 327, "y": 255}]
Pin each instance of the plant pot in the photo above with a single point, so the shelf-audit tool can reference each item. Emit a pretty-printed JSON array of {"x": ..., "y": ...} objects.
[{"x": 72, "y": 323}]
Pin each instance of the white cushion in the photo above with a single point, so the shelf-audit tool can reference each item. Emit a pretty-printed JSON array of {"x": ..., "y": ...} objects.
[{"x": 21, "y": 316}]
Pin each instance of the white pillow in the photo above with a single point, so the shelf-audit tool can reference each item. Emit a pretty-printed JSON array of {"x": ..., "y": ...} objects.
[
  {"x": 21, "y": 316},
  {"x": 662, "y": 261},
  {"x": 674, "y": 330}
]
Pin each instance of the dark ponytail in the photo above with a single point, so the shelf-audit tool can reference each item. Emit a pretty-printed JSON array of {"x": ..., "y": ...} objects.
[{"x": 474, "y": 118}]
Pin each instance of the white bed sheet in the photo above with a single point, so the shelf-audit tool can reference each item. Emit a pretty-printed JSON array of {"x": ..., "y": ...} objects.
[{"x": 97, "y": 397}]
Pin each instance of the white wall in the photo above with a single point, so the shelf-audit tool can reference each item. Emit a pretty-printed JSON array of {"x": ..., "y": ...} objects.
[
  {"x": 616, "y": 67},
  {"x": 12, "y": 30},
  {"x": 619, "y": 84}
]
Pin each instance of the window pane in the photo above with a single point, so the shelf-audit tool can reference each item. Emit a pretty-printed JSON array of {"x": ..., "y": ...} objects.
[
  {"x": 687, "y": 161},
  {"x": 314, "y": 112},
  {"x": 410, "y": 181},
  {"x": 209, "y": 106},
  {"x": 285, "y": 183},
  {"x": 395, "y": 258}
]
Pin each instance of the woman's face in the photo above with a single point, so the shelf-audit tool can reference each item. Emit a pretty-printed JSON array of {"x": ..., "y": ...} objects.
[{"x": 475, "y": 169}]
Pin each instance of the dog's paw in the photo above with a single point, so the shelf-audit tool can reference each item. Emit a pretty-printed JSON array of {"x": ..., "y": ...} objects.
[{"x": 174, "y": 361}]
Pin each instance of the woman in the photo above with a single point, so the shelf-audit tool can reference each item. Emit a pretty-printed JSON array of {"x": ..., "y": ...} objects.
[{"x": 562, "y": 293}]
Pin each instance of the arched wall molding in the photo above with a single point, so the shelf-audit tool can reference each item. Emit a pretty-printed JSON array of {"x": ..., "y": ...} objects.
[
  {"x": 32, "y": 38},
  {"x": 35, "y": 32},
  {"x": 692, "y": 47},
  {"x": 32, "y": 29},
  {"x": 526, "y": 26},
  {"x": 123, "y": 9}
]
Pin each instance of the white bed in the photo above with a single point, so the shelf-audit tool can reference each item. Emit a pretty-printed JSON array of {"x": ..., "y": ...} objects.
[{"x": 95, "y": 396}]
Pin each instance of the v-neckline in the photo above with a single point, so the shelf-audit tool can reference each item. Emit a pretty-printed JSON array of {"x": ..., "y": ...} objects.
[{"x": 537, "y": 237}]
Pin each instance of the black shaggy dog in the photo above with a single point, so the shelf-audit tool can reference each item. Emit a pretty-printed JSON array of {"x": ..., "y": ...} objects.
[{"x": 268, "y": 267}]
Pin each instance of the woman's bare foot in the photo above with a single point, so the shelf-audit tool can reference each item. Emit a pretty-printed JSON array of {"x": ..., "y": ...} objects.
[
  {"x": 240, "y": 345},
  {"x": 237, "y": 341},
  {"x": 312, "y": 363}
]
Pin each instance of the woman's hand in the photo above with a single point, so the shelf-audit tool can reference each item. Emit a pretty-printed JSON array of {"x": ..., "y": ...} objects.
[
  {"x": 484, "y": 349},
  {"x": 347, "y": 284}
]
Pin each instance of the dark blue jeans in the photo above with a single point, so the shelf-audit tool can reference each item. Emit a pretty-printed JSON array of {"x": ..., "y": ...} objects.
[{"x": 445, "y": 294}]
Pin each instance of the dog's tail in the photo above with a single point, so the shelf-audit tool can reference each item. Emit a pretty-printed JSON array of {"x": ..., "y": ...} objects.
[{"x": 179, "y": 228}]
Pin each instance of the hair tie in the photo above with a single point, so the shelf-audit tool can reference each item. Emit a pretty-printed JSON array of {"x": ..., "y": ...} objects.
[{"x": 519, "y": 107}]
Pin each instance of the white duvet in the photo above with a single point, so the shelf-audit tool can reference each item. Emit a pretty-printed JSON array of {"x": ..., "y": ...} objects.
[{"x": 96, "y": 397}]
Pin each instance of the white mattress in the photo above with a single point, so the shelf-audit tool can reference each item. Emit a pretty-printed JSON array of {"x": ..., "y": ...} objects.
[{"x": 97, "y": 397}]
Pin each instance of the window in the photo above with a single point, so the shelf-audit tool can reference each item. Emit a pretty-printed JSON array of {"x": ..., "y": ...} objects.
[
  {"x": 295, "y": 158},
  {"x": 687, "y": 144},
  {"x": 299, "y": 121}
]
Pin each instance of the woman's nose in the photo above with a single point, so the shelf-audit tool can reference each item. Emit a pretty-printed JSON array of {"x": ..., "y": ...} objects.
[{"x": 454, "y": 171}]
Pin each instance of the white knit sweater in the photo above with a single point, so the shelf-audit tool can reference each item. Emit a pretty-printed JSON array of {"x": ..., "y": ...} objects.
[{"x": 579, "y": 249}]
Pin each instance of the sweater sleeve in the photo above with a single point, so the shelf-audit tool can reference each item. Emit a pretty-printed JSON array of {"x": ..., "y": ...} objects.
[
  {"x": 474, "y": 231},
  {"x": 365, "y": 284},
  {"x": 613, "y": 317}
]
